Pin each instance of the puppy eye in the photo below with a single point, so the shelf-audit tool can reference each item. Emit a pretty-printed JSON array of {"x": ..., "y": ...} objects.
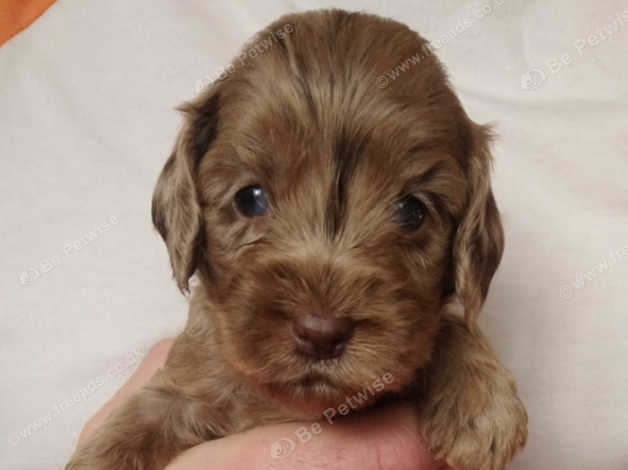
[
  {"x": 251, "y": 201},
  {"x": 410, "y": 212}
]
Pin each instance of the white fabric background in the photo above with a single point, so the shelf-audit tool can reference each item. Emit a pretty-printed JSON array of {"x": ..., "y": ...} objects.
[{"x": 86, "y": 122}]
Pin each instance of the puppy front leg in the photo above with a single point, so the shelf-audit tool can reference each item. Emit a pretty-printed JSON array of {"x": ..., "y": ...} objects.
[
  {"x": 148, "y": 431},
  {"x": 472, "y": 416}
]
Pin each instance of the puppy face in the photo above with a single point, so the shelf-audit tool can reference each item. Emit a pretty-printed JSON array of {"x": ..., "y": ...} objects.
[{"x": 327, "y": 218}]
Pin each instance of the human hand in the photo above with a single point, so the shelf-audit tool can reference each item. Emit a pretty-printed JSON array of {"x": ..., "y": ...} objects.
[{"x": 381, "y": 439}]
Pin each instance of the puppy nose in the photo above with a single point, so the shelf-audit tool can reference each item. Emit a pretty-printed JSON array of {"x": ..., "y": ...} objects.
[{"x": 321, "y": 337}]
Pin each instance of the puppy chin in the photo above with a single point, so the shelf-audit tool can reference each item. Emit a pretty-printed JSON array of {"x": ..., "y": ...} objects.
[
  {"x": 306, "y": 401},
  {"x": 310, "y": 397}
]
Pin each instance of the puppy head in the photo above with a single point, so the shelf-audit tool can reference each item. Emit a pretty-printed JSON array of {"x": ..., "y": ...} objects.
[{"x": 330, "y": 219}]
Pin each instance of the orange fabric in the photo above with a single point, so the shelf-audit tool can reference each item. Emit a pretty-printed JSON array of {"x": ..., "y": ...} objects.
[{"x": 15, "y": 15}]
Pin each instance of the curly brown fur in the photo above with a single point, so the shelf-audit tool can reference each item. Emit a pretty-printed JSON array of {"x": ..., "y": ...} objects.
[{"x": 335, "y": 155}]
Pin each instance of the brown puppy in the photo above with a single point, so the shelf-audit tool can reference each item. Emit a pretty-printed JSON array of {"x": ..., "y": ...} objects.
[{"x": 329, "y": 221}]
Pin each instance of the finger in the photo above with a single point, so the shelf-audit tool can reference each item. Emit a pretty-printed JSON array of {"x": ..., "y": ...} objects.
[
  {"x": 385, "y": 439},
  {"x": 152, "y": 362}
]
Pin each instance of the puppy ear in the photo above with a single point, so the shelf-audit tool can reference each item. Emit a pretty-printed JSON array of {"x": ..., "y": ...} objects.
[
  {"x": 176, "y": 209},
  {"x": 479, "y": 239}
]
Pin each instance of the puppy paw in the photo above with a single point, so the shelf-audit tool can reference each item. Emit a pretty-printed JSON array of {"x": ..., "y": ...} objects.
[
  {"x": 481, "y": 437},
  {"x": 471, "y": 415}
]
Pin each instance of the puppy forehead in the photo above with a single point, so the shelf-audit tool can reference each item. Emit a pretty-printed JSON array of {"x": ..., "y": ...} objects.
[{"x": 309, "y": 111}]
